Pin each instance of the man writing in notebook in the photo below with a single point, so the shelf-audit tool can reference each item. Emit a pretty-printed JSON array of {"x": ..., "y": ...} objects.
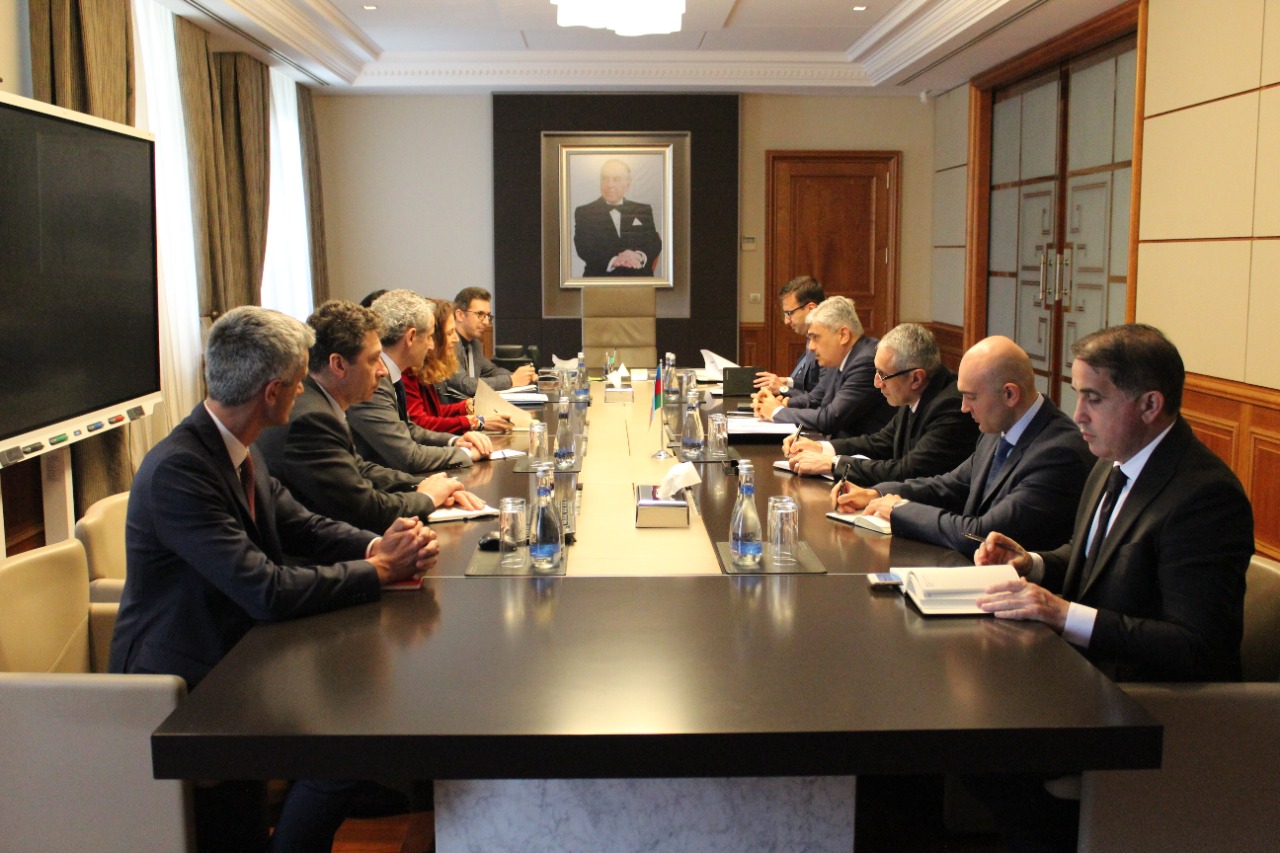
[
  {"x": 929, "y": 433},
  {"x": 799, "y": 296},
  {"x": 1025, "y": 474},
  {"x": 1151, "y": 585}
]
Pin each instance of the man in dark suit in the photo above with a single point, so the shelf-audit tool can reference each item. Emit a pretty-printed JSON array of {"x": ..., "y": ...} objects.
[
  {"x": 380, "y": 425},
  {"x": 1151, "y": 585},
  {"x": 207, "y": 532},
  {"x": 614, "y": 236},
  {"x": 929, "y": 434},
  {"x": 472, "y": 314},
  {"x": 1026, "y": 473},
  {"x": 846, "y": 402},
  {"x": 314, "y": 455},
  {"x": 799, "y": 296}
]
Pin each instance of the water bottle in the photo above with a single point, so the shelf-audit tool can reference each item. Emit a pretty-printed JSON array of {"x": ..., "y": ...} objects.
[
  {"x": 671, "y": 395},
  {"x": 692, "y": 438},
  {"x": 545, "y": 532},
  {"x": 581, "y": 402},
  {"x": 565, "y": 456},
  {"x": 745, "y": 536},
  {"x": 583, "y": 383}
]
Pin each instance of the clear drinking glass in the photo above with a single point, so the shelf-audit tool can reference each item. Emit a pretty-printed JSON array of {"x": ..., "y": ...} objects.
[
  {"x": 784, "y": 529},
  {"x": 717, "y": 436},
  {"x": 539, "y": 442},
  {"x": 512, "y": 550}
]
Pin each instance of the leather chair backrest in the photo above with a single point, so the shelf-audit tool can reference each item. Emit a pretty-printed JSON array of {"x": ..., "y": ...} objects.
[
  {"x": 44, "y": 610},
  {"x": 1260, "y": 649},
  {"x": 102, "y": 532},
  {"x": 622, "y": 319}
]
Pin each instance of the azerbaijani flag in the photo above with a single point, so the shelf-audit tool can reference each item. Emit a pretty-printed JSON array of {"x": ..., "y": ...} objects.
[{"x": 657, "y": 391}]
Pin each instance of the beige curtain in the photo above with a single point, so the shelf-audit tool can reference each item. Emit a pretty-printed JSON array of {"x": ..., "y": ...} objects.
[
  {"x": 315, "y": 198},
  {"x": 227, "y": 101},
  {"x": 82, "y": 59}
]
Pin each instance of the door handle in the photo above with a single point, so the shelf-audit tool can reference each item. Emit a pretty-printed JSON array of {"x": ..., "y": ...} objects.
[
  {"x": 1065, "y": 286},
  {"x": 1044, "y": 260}
]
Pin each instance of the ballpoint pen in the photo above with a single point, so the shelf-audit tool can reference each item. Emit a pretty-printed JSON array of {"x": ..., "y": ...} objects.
[{"x": 1017, "y": 549}]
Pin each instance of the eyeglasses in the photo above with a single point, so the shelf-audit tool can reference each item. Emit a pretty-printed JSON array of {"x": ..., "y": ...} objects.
[
  {"x": 885, "y": 378},
  {"x": 787, "y": 314},
  {"x": 482, "y": 316}
]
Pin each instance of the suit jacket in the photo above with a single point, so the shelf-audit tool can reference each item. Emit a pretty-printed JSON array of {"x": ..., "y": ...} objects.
[
  {"x": 462, "y": 385},
  {"x": 1033, "y": 498},
  {"x": 381, "y": 437},
  {"x": 806, "y": 374},
  {"x": 934, "y": 439},
  {"x": 1169, "y": 581},
  {"x": 202, "y": 572},
  {"x": 315, "y": 457},
  {"x": 597, "y": 240},
  {"x": 846, "y": 402}
]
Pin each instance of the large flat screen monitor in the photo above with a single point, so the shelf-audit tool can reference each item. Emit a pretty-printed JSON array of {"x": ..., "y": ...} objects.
[{"x": 79, "y": 318}]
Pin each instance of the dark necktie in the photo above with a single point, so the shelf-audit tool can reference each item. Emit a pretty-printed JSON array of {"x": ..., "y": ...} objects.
[
  {"x": 402, "y": 404},
  {"x": 1115, "y": 484},
  {"x": 1002, "y": 453},
  {"x": 246, "y": 483}
]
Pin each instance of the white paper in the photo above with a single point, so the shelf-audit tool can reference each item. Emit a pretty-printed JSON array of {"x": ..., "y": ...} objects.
[
  {"x": 457, "y": 513},
  {"x": 680, "y": 476},
  {"x": 616, "y": 377},
  {"x": 518, "y": 389},
  {"x": 564, "y": 363},
  {"x": 526, "y": 397},
  {"x": 507, "y": 453},
  {"x": 490, "y": 402},
  {"x": 640, "y": 374},
  {"x": 754, "y": 426},
  {"x": 713, "y": 365}
]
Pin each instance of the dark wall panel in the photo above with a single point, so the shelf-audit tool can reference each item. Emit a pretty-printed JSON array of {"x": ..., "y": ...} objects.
[{"x": 712, "y": 122}]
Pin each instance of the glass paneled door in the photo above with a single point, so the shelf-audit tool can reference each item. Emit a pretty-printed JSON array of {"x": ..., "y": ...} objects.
[{"x": 1061, "y": 157}]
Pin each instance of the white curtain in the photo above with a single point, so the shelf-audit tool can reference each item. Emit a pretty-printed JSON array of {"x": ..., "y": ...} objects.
[
  {"x": 286, "y": 277},
  {"x": 160, "y": 112}
]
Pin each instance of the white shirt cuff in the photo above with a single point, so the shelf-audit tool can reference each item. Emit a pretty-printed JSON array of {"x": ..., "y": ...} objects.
[
  {"x": 1079, "y": 625},
  {"x": 828, "y": 449},
  {"x": 368, "y": 551}
]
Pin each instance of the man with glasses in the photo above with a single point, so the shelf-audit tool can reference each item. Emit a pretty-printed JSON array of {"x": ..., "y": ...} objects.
[
  {"x": 799, "y": 296},
  {"x": 471, "y": 312},
  {"x": 928, "y": 435},
  {"x": 845, "y": 403},
  {"x": 1025, "y": 475}
]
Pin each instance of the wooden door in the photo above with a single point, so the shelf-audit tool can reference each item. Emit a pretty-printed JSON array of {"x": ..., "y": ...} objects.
[{"x": 832, "y": 215}]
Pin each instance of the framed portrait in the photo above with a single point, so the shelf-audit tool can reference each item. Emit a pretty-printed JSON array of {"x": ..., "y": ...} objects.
[{"x": 611, "y": 216}]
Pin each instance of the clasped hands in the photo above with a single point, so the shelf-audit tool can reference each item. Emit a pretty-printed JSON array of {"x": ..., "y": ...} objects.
[
  {"x": 764, "y": 403},
  {"x": 447, "y": 491},
  {"x": 630, "y": 259},
  {"x": 406, "y": 551}
]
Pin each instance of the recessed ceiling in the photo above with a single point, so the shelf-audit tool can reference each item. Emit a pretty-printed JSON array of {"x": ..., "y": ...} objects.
[{"x": 895, "y": 47}]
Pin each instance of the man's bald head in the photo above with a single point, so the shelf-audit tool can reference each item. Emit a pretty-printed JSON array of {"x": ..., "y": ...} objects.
[{"x": 997, "y": 383}]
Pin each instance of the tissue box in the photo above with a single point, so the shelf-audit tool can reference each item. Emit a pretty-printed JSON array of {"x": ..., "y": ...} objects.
[
  {"x": 652, "y": 511},
  {"x": 625, "y": 394}
]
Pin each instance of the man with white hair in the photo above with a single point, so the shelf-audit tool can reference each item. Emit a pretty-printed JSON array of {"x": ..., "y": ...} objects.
[
  {"x": 615, "y": 236},
  {"x": 380, "y": 425},
  {"x": 928, "y": 435},
  {"x": 846, "y": 402}
]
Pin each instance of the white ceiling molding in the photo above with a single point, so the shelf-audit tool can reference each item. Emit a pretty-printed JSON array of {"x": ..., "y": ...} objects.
[
  {"x": 313, "y": 32},
  {"x": 914, "y": 30},
  {"x": 651, "y": 74}
]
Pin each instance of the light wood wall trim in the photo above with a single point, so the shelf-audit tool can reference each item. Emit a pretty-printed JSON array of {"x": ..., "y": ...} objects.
[
  {"x": 977, "y": 218},
  {"x": 750, "y": 342},
  {"x": 1135, "y": 185},
  {"x": 951, "y": 344},
  {"x": 1241, "y": 423}
]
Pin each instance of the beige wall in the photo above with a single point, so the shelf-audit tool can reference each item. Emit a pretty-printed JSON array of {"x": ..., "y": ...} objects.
[
  {"x": 15, "y": 54},
  {"x": 408, "y": 185},
  {"x": 780, "y": 122},
  {"x": 1210, "y": 215},
  {"x": 408, "y": 192}
]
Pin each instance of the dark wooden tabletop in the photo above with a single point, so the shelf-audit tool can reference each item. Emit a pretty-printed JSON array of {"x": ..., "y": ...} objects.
[{"x": 711, "y": 675}]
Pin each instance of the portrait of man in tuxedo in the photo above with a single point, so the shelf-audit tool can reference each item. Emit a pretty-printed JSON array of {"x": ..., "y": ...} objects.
[{"x": 616, "y": 236}]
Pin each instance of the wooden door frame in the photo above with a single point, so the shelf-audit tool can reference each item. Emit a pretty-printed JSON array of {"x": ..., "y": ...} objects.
[
  {"x": 1092, "y": 34},
  {"x": 893, "y": 161}
]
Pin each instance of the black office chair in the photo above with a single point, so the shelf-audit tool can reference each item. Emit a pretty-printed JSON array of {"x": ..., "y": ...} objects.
[{"x": 512, "y": 356}]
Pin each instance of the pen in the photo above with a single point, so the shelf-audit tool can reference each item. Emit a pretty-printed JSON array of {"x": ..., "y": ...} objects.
[{"x": 1014, "y": 548}]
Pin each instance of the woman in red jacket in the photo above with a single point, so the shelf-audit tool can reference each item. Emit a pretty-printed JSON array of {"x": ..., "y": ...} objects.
[{"x": 423, "y": 397}]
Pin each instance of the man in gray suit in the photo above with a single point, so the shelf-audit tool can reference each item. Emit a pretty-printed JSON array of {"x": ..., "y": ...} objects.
[
  {"x": 314, "y": 454},
  {"x": 382, "y": 430},
  {"x": 473, "y": 314},
  {"x": 1025, "y": 475}
]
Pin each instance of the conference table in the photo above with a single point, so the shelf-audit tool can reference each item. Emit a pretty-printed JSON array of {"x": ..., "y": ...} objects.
[{"x": 647, "y": 700}]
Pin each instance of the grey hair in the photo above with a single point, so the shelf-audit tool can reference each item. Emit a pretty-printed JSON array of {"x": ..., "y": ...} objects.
[
  {"x": 249, "y": 347},
  {"x": 399, "y": 311},
  {"x": 835, "y": 312},
  {"x": 913, "y": 347}
]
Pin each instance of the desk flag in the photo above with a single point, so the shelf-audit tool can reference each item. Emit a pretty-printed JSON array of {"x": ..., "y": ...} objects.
[{"x": 657, "y": 392}]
